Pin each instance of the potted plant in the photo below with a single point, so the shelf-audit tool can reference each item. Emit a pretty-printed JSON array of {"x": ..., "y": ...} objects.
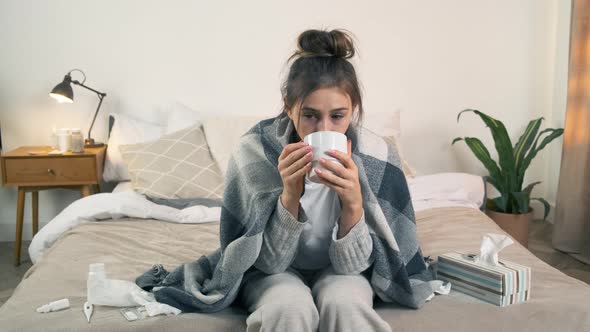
[{"x": 511, "y": 210}]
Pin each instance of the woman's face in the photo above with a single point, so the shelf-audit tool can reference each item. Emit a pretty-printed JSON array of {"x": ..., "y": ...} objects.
[{"x": 324, "y": 109}]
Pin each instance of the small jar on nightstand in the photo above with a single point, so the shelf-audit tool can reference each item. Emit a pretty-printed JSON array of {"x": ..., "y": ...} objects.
[{"x": 77, "y": 140}]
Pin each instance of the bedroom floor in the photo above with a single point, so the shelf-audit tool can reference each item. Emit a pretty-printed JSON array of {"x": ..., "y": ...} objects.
[
  {"x": 539, "y": 244},
  {"x": 11, "y": 275}
]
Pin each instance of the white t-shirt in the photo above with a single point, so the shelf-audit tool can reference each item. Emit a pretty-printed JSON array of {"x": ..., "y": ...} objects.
[{"x": 322, "y": 208}]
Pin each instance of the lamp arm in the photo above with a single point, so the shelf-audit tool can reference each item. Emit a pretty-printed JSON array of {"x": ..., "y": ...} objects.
[
  {"x": 100, "y": 96},
  {"x": 89, "y": 88}
]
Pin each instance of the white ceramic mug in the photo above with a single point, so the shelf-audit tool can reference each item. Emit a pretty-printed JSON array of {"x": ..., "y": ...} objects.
[
  {"x": 322, "y": 141},
  {"x": 64, "y": 139}
]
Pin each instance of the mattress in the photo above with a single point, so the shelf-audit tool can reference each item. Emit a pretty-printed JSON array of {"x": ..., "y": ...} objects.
[{"x": 128, "y": 247}]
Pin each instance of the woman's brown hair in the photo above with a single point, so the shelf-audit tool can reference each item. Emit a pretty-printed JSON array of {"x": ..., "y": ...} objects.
[{"x": 322, "y": 62}]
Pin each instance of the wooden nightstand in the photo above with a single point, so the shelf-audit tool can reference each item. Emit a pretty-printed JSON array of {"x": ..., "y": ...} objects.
[{"x": 31, "y": 173}]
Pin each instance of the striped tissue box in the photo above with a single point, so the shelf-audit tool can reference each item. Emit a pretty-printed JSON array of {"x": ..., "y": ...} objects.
[{"x": 502, "y": 285}]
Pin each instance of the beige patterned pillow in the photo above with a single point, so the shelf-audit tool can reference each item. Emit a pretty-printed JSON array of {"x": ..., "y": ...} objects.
[{"x": 177, "y": 165}]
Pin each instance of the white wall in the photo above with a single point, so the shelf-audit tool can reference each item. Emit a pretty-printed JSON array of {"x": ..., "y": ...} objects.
[{"x": 430, "y": 59}]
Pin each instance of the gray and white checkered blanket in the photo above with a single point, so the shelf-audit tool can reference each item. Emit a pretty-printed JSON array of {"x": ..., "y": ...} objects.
[{"x": 399, "y": 271}]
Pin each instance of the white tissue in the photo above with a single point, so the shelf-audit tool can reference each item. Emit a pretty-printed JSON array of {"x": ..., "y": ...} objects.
[
  {"x": 491, "y": 245},
  {"x": 113, "y": 292},
  {"x": 156, "y": 308},
  {"x": 122, "y": 293},
  {"x": 439, "y": 288}
]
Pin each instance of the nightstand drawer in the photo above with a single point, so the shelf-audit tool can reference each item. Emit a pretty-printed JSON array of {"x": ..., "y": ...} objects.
[{"x": 47, "y": 171}]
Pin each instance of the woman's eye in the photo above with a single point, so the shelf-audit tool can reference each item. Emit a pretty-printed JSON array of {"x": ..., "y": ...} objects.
[
  {"x": 308, "y": 116},
  {"x": 338, "y": 117}
]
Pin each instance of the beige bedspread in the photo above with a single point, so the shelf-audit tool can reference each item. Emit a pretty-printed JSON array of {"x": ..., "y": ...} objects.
[{"x": 129, "y": 247}]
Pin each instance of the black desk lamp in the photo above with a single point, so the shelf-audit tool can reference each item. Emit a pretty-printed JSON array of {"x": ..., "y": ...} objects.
[{"x": 63, "y": 93}]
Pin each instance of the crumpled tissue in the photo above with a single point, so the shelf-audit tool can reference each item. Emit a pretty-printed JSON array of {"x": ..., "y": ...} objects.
[
  {"x": 491, "y": 245},
  {"x": 121, "y": 293}
]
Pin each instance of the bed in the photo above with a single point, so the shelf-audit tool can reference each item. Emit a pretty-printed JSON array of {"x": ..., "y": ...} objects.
[
  {"x": 130, "y": 246},
  {"x": 448, "y": 217}
]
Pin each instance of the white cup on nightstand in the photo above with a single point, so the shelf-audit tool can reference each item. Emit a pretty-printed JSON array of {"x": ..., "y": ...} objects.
[{"x": 64, "y": 139}]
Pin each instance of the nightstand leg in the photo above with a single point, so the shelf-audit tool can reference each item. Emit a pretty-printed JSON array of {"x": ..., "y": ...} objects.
[
  {"x": 35, "y": 204},
  {"x": 85, "y": 191},
  {"x": 20, "y": 210}
]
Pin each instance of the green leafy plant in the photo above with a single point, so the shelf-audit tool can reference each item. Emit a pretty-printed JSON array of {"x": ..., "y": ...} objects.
[{"x": 507, "y": 175}]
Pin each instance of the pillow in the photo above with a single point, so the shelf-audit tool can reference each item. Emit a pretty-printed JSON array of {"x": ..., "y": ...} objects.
[
  {"x": 177, "y": 165},
  {"x": 129, "y": 130},
  {"x": 180, "y": 117},
  {"x": 223, "y": 135},
  {"x": 446, "y": 190},
  {"x": 387, "y": 125},
  {"x": 126, "y": 130},
  {"x": 406, "y": 168}
]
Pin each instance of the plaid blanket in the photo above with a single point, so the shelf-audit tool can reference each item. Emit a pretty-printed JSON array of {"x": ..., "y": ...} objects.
[{"x": 399, "y": 272}]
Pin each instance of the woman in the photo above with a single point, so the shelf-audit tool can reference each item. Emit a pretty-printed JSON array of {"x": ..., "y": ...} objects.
[
  {"x": 299, "y": 255},
  {"x": 316, "y": 244}
]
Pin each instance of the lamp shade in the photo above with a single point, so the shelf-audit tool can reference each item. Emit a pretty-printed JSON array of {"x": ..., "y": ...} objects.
[{"x": 63, "y": 92}]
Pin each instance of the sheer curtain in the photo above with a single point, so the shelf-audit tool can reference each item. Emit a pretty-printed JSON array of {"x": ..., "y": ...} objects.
[{"x": 572, "y": 215}]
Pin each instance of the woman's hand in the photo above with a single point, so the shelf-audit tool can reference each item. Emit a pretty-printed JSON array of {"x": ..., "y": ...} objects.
[
  {"x": 294, "y": 162},
  {"x": 344, "y": 180}
]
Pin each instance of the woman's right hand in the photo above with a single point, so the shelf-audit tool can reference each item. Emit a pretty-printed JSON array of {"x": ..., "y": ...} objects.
[{"x": 294, "y": 163}]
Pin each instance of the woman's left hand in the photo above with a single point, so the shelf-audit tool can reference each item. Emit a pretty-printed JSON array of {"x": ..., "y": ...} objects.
[{"x": 344, "y": 179}]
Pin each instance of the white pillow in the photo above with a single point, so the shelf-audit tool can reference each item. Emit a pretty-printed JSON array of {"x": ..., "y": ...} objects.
[
  {"x": 383, "y": 123},
  {"x": 180, "y": 117},
  {"x": 387, "y": 125},
  {"x": 223, "y": 134},
  {"x": 130, "y": 130},
  {"x": 126, "y": 130},
  {"x": 447, "y": 190}
]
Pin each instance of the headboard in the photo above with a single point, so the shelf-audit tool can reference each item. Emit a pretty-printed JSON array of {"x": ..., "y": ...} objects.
[
  {"x": 485, "y": 195},
  {"x": 111, "y": 123}
]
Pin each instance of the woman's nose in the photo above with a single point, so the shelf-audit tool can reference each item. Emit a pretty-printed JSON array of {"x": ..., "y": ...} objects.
[{"x": 324, "y": 125}]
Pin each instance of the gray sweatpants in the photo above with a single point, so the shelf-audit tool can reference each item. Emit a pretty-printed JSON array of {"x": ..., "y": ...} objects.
[{"x": 297, "y": 300}]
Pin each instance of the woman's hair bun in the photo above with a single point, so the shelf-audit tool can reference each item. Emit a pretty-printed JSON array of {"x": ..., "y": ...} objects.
[{"x": 321, "y": 43}]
